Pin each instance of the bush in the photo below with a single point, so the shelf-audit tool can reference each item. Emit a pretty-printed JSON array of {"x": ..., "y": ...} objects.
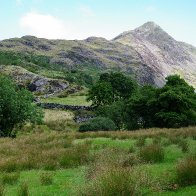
[
  {"x": 184, "y": 146},
  {"x": 75, "y": 156},
  {"x": 186, "y": 171},
  {"x": 23, "y": 190},
  {"x": 152, "y": 153},
  {"x": 98, "y": 124},
  {"x": 141, "y": 141},
  {"x": 10, "y": 178},
  {"x": 115, "y": 181},
  {"x": 46, "y": 179}
]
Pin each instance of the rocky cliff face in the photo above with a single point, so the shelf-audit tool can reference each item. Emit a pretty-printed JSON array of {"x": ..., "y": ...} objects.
[
  {"x": 161, "y": 53},
  {"x": 148, "y": 53}
]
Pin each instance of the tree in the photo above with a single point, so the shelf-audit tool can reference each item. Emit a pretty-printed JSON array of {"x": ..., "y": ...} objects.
[
  {"x": 115, "y": 112},
  {"x": 177, "y": 104},
  {"x": 173, "y": 105},
  {"x": 110, "y": 88},
  {"x": 140, "y": 109},
  {"x": 16, "y": 107},
  {"x": 101, "y": 94}
]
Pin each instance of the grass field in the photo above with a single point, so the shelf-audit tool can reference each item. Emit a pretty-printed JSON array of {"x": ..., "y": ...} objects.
[
  {"x": 99, "y": 163},
  {"x": 69, "y": 100}
]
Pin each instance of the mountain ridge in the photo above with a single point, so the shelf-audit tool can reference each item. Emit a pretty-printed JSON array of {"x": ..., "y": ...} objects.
[{"x": 147, "y": 53}]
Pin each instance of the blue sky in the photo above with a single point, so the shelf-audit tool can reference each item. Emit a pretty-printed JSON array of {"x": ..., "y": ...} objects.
[{"x": 79, "y": 19}]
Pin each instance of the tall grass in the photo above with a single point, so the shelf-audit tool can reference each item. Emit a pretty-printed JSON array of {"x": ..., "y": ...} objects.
[
  {"x": 46, "y": 179},
  {"x": 54, "y": 150},
  {"x": 186, "y": 171},
  {"x": 152, "y": 153},
  {"x": 10, "y": 178},
  {"x": 23, "y": 189},
  {"x": 113, "y": 181}
]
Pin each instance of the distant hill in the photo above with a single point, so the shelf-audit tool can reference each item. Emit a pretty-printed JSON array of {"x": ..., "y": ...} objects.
[{"x": 147, "y": 53}]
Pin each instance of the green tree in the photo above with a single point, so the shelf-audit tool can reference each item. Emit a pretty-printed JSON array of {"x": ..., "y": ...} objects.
[
  {"x": 110, "y": 88},
  {"x": 140, "y": 109},
  {"x": 115, "y": 112},
  {"x": 16, "y": 107},
  {"x": 101, "y": 94},
  {"x": 177, "y": 104},
  {"x": 173, "y": 105}
]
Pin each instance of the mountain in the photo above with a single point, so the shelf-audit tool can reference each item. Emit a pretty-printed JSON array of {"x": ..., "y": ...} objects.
[
  {"x": 147, "y": 53},
  {"x": 161, "y": 53}
]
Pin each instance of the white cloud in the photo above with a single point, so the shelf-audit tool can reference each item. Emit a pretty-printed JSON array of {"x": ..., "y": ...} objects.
[
  {"x": 86, "y": 11},
  {"x": 42, "y": 25}
]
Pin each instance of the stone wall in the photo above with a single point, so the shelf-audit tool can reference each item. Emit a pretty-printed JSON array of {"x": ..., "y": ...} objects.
[{"x": 64, "y": 107}]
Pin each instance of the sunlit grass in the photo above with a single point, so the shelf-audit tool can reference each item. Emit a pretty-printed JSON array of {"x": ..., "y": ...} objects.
[{"x": 70, "y": 100}]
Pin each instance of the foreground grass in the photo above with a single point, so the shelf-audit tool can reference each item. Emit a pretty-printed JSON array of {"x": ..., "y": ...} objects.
[
  {"x": 64, "y": 182},
  {"x": 79, "y": 163}
]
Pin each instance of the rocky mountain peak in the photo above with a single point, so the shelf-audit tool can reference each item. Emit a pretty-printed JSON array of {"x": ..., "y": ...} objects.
[
  {"x": 148, "y": 27},
  {"x": 151, "y": 32}
]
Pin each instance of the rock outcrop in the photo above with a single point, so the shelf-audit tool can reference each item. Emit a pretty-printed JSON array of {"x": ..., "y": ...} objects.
[{"x": 35, "y": 83}]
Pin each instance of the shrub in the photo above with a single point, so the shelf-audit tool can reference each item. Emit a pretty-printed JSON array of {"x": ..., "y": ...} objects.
[
  {"x": 115, "y": 181},
  {"x": 156, "y": 140},
  {"x": 46, "y": 179},
  {"x": 8, "y": 165},
  {"x": 186, "y": 171},
  {"x": 75, "y": 156},
  {"x": 141, "y": 141},
  {"x": 184, "y": 146},
  {"x": 131, "y": 160},
  {"x": 98, "y": 124},
  {"x": 152, "y": 153},
  {"x": 131, "y": 149},
  {"x": 23, "y": 190},
  {"x": 10, "y": 178}
]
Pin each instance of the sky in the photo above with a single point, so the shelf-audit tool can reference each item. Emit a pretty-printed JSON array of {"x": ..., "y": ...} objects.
[{"x": 79, "y": 19}]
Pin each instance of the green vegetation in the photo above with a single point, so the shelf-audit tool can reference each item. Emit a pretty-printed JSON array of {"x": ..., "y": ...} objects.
[
  {"x": 98, "y": 124},
  {"x": 133, "y": 107},
  {"x": 91, "y": 163},
  {"x": 16, "y": 107},
  {"x": 152, "y": 153},
  {"x": 23, "y": 190},
  {"x": 111, "y": 87},
  {"x": 174, "y": 105},
  {"x": 84, "y": 75},
  {"x": 54, "y": 158},
  {"x": 69, "y": 100},
  {"x": 46, "y": 179},
  {"x": 186, "y": 171}
]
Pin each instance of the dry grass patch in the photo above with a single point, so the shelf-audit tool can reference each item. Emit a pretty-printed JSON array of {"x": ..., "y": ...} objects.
[{"x": 53, "y": 115}]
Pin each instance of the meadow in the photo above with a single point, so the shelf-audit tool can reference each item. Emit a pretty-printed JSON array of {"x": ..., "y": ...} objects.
[{"x": 43, "y": 161}]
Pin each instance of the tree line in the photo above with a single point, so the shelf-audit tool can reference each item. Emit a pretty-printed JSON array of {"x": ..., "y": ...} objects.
[{"x": 130, "y": 106}]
